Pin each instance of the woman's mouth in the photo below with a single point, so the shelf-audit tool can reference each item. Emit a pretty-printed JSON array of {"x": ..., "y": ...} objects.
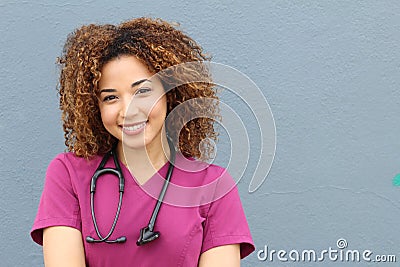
[{"x": 134, "y": 128}]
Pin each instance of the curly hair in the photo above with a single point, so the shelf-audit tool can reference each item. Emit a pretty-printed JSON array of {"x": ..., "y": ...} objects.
[{"x": 159, "y": 45}]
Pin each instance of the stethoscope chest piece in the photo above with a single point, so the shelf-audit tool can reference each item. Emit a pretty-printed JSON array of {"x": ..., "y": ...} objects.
[{"x": 146, "y": 236}]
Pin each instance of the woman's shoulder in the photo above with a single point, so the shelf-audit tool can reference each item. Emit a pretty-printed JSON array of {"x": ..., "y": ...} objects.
[
  {"x": 193, "y": 166},
  {"x": 194, "y": 172},
  {"x": 70, "y": 160},
  {"x": 196, "y": 183}
]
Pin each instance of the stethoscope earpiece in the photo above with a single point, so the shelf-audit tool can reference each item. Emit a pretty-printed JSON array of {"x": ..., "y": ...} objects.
[
  {"x": 121, "y": 239},
  {"x": 90, "y": 239}
]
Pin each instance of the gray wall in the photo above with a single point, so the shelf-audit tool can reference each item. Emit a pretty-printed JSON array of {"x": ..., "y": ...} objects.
[{"x": 329, "y": 69}]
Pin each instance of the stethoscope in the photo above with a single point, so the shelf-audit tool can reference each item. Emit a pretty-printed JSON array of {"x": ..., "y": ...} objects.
[{"x": 147, "y": 234}]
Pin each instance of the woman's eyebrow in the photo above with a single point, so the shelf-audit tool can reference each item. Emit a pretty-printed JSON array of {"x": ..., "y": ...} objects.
[
  {"x": 111, "y": 90},
  {"x": 107, "y": 90},
  {"x": 139, "y": 82}
]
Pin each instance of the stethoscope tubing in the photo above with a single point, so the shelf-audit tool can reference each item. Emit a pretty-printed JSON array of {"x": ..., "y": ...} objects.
[
  {"x": 162, "y": 193},
  {"x": 105, "y": 239}
]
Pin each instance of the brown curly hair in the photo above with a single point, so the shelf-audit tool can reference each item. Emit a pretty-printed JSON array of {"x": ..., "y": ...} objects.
[{"x": 159, "y": 45}]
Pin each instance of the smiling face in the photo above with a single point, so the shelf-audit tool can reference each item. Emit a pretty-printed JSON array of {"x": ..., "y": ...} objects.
[{"x": 133, "y": 106}]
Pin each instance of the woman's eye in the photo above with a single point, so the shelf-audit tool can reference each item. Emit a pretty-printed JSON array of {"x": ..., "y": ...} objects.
[
  {"x": 143, "y": 90},
  {"x": 109, "y": 98}
]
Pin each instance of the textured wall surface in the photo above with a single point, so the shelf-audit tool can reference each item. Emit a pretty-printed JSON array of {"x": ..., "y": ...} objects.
[{"x": 329, "y": 69}]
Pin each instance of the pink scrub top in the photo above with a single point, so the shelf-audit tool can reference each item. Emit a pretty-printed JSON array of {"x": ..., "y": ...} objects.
[{"x": 201, "y": 210}]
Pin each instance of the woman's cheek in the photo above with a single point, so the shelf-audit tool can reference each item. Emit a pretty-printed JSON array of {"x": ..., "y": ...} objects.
[
  {"x": 157, "y": 108},
  {"x": 108, "y": 116}
]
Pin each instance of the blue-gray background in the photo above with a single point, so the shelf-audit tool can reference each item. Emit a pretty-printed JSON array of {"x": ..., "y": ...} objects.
[{"x": 330, "y": 71}]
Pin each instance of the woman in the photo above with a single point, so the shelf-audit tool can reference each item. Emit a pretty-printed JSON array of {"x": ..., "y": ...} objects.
[{"x": 115, "y": 107}]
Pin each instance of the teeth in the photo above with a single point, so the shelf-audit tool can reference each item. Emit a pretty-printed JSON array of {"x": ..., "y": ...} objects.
[{"x": 135, "y": 127}]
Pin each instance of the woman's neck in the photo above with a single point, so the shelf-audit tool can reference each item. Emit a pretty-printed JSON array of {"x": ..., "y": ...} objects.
[{"x": 145, "y": 161}]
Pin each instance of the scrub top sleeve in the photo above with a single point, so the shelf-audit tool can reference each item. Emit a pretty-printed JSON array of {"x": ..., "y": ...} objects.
[
  {"x": 58, "y": 205},
  {"x": 226, "y": 222}
]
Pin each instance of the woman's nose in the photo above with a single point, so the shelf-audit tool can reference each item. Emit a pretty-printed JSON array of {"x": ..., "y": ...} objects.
[{"x": 129, "y": 108}]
